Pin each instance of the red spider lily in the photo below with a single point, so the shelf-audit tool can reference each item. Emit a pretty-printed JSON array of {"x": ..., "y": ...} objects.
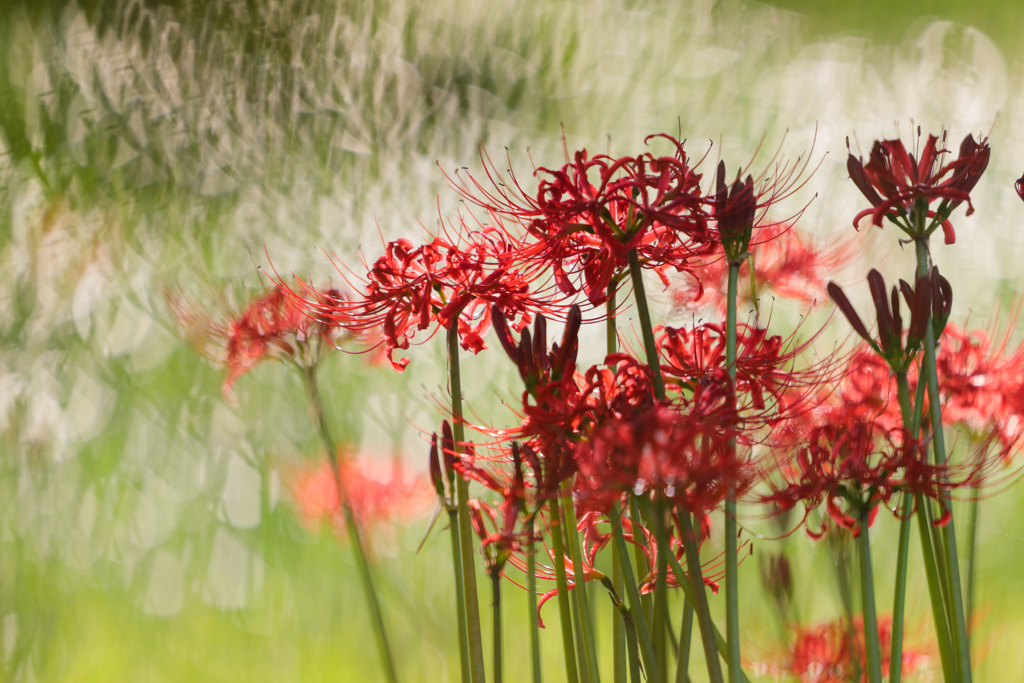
[
  {"x": 380, "y": 491},
  {"x": 833, "y": 651},
  {"x": 449, "y": 280},
  {"x": 765, "y": 365},
  {"x": 593, "y": 212},
  {"x": 894, "y": 181},
  {"x": 783, "y": 261},
  {"x": 982, "y": 385},
  {"x": 586, "y": 217},
  {"x": 273, "y": 325},
  {"x": 680, "y": 452},
  {"x": 848, "y": 462}
]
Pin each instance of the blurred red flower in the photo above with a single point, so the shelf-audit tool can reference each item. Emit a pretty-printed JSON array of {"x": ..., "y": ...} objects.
[{"x": 381, "y": 492}]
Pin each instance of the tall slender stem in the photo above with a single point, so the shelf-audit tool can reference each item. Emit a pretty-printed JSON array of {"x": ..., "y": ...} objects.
[
  {"x": 531, "y": 589},
  {"x": 633, "y": 595},
  {"x": 476, "y": 647},
  {"x": 957, "y": 619},
  {"x": 661, "y": 600},
  {"x": 354, "y": 534},
  {"x": 631, "y": 644},
  {"x": 460, "y": 595},
  {"x": 582, "y": 599},
  {"x": 732, "y": 600},
  {"x": 619, "y": 662},
  {"x": 900, "y": 593},
  {"x": 496, "y": 624},
  {"x": 902, "y": 550},
  {"x": 642, "y": 566},
  {"x": 689, "y": 588},
  {"x": 939, "y": 615},
  {"x": 685, "y": 640},
  {"x": 639, "y": 294},
  {"x": 972, "y": 557},
  {"x": 872, "y": 652},
  {"x": 700, "y": 599},
  {"x": 564, "y": 612}
]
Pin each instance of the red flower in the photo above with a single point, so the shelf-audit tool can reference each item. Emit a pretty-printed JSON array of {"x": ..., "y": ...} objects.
[
  {"x": 273, "y": 325},
  {"x": 894, "y": 180},
  {"x": 448, "y": 281},
  {"x": 586, "y": 217},
  {"x": 681, "y": 452},
  {"x": 783, "y": 261},
  {"x": 381, "y": 491},
  {"x": 831, "y": 652}
]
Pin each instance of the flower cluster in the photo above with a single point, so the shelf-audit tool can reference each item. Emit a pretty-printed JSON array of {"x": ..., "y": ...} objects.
[{"x": 641, "y": 448}]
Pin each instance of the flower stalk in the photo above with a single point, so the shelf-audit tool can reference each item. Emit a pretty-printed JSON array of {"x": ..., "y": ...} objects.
[
  {"x": 871, "y": 646},
  {"x": 582, "y": 600},
  {"x": 633, "y": 596},
  {"x": 354, "y": 534},
  {"x": 619, "y": 663},
  {"x": 952, "y": 565},
  {"x": 476, "y": 652},
  {"x": 732, "y": 600},
  {"x": 562, "y": 582},
  {"x": 531, "y": 590}
]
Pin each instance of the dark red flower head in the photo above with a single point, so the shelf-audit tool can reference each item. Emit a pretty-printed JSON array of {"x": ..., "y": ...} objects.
[{"x": 897, "y": 183}]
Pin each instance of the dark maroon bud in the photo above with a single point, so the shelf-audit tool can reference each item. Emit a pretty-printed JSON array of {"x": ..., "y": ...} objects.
[
  {"x": 504, "y": 335},
  {"x": 448, "y": 447},
  {"x": 919, "y": 311},
  {"x": 436, "y": 477},
  {"x": 839, "y": 297},
  {"x": 885, "y": 327}
]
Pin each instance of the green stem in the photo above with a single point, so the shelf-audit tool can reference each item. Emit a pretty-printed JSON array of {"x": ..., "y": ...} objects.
[
  {"x": 618, "y": 623},
  {"x": 707, "y": 627},
  {"x": 564, "y": 611},
  {"x": 958, "y": 621},
  {"x": 732, "y": 599},
  {"x": 902, "y": 551},
  {"x": 496, "y": 607},
  {"x": 354, "y": 534},
  {"x": 531, "y": 578},
  {"x": 634, "y": 655},
  {"x": 691, "y": 595},
  {"x": 619, "y": 662},
  {"x": 841, "y": 565},
  {"x": 637, "y": 275},
  {"x": 574, "y": 604},
  {"x": 643, "y": 568},
  {"x": 972, "y": 558},
  {"x": 460, "y": 595},
  {"x": 867, "y": 582},
  {"x": 685, "y": 639},
  {"x": 900, "y": 593},
  {"x": 661, "y": 608},
  {"x": 949, "y": 671},
  {"x": 582, "y": 599},
  {"x": 476, "y": 647},
  {"x": 633, "y": 595}
]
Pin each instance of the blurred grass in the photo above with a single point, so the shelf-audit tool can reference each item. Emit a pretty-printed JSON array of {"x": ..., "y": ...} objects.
[{"x": 145, "y": 533}]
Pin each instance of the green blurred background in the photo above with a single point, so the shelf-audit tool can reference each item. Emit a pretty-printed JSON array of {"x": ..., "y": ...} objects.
[{"x": 147, "y": 531}]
